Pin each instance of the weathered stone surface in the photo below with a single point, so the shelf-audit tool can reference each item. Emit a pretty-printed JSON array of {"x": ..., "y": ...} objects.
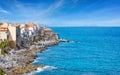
[
  {"x": 63, "y": 40},
  {"x": 19, "y": 61},
  {"x": 26, "y": 69}
]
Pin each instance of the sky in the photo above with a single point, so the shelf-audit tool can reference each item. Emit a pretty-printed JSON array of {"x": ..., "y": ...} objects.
[{"x": 61, "y": 12}]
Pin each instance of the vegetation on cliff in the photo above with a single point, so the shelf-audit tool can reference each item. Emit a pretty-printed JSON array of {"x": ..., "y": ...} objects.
[
  {"x": 4, "y": 44},
  {"x": 2, "y": 72}
]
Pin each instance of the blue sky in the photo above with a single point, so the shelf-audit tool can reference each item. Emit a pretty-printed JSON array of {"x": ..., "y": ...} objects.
[{"x": 62, "y": 12}]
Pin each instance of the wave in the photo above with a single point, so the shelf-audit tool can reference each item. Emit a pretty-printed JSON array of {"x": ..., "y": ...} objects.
[
  {"x": 38, "y": 59},
  {"x": 46, "y": 68},
  {"x": 35, "y": 61},
  {"x": 90, "y": 73}
]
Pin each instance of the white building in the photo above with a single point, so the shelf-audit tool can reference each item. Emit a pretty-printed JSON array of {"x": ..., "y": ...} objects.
[{"x": 4, "y": 31}]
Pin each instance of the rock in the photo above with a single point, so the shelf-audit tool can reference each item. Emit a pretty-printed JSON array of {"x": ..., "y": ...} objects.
[
  {"x": 64, "y": 40},
  {"x": 2, "y": 72},
  {"x": 26, "y": 69}
]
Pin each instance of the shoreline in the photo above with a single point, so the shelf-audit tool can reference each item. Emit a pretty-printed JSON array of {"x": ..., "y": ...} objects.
[{"x": 21, "y": 61}]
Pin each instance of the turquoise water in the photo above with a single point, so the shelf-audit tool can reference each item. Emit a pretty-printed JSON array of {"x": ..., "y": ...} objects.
[{"x": 96, "y": 53}]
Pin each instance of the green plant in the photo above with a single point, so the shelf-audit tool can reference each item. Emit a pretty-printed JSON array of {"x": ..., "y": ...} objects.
[
  {"x": 3, "y": 52},
  {"x": 3, "y": 44},
  {"x": 2, "y": 72}
]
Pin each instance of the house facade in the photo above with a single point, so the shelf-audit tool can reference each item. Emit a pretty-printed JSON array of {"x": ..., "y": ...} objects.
[
  {"x": 14, "y": 33},
  {"x": 24, "y": 31},
  {"x": 3, "y": 31},
  {"x": 19, "y": 34},
  {"x": 29, "y": 30},
  {"x": 9, "y": 32},
  {"x": 48, "y": 33}
]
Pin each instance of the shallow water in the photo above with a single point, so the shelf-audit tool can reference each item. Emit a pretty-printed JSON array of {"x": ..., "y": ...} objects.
[{"x": 96, "y": 53}]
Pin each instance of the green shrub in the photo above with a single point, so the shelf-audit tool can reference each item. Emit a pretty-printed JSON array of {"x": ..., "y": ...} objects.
[
  {"x": 3, "y": 44},
  {"x": 3, "y": 52},
  {"x": 2, "y": 72}
]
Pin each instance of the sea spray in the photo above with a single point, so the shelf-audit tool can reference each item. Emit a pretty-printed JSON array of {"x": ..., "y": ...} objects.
[{"x": 46, "y": 68}]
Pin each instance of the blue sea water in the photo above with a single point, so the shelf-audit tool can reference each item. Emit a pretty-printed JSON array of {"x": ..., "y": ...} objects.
[{"x": 97, "y": 52}]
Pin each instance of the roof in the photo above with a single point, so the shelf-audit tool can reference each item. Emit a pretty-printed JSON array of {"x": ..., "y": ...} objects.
[
  {"x": 3, "y": 29},
  {"x": 17, "y": 24},
  {"x": 4, "y": 24},
  {"x": 48, "y": 30}
]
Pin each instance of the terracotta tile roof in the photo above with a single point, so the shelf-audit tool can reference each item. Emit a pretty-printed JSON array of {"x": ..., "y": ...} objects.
[
  {"x": 48, "y": 30},
  {"x": 17, "y": 24},
  {"x": 3, "y": 29}
]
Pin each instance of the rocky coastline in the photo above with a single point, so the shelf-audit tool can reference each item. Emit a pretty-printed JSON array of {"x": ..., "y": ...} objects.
[
  {"x": 20, "y": 45},
  {"x": 18, "y": 50},
  {"x": 19, "y": 62}
]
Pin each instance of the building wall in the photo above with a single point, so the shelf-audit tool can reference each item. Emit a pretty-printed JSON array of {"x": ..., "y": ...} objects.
[
  {"x": 18, "y": 30},
  {"x": 30, "y": 31},
  {"x": 12, "y": 36},
  {"x": 3, "y": 36},
  {"x": 22, "y": 30},
  {"x": 5, "y": 24},
  {"x": 49, "y": 33},
  {"x": 3, "y": 31}
]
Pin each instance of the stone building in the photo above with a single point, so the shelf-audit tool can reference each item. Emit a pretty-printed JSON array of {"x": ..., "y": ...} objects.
[
  {"x": 9, "y": 32},
  {"x": 14, "y": 33},
  {"x": 49, "y": 34}
]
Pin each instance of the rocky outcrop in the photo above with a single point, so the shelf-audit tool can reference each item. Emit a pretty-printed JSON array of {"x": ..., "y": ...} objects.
[
  {"x": 2, "y": 72},
  {"x": 26, "y": 69},
  {"x": 19, "y": 59},
  {"x": 63, "y": 40}
]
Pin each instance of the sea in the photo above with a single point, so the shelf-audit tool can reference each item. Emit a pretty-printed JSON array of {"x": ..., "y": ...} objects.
[{"x": 91, "y": 51}]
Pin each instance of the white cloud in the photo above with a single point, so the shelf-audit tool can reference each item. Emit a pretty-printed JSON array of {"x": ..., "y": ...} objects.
[
  {"x": 47, "y": 15},
  {"x": 53, "y": 7},
  {"x": 4, "y": 11},
  {"x": 37, "y": 13}
]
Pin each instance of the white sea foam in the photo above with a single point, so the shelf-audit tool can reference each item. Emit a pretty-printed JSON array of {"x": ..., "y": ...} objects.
[
  {"x": 46, "y": 68},
  {"x": 35, "y": 61},
  {"x": 90, "y": 73}
]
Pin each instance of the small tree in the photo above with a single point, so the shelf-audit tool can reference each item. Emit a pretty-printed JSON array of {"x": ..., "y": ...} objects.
[{"x": 3, "y": 45}]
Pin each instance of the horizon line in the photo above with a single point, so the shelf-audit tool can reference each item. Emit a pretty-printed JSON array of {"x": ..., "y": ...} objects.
[{"x": 83, "y": 26}]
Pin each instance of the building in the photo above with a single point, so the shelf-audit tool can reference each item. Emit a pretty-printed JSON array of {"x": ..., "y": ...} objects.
[
  {"x": 32, "y": 28},
  {"x": 3, "y": 31},
  {"x": 29, "y": 30},
  {"x": 24, "y": 31},
  {"x": 9, "y": 32},
  {"x": 48, "y": 33},
  {"x": 14, "y": 34}
]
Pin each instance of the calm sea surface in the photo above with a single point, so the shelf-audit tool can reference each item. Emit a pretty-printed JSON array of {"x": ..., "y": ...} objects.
[{"x": 97, "y": 52}]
